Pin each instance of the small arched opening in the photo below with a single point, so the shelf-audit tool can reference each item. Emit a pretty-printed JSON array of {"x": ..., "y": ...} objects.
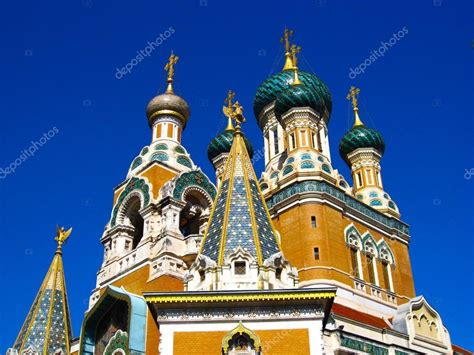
[
  {"x": 133, "y": 218},
  {"x": 194, "y": 214}
]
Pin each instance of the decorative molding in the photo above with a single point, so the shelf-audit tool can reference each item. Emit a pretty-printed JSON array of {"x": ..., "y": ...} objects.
[
  {"x": 324, "y": 187},
  {"x": 212, "y": 298},
  {"x": 118, "y": 344},
  {"x": 134, "y": 184},
  {"x": 193, "y": 178}
]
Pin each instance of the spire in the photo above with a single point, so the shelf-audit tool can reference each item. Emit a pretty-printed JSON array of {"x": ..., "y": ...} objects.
[
  {"x": 169, "y": 67},
  {"x": 286, "y": 41},
  {"x": 352, "y": 95},
  {"x": 47, "y": 327},
  {"x": 239, "y": 218}
]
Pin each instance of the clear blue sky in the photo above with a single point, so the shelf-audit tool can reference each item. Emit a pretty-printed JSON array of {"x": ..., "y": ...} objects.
[{"x": 59, "y": 60}]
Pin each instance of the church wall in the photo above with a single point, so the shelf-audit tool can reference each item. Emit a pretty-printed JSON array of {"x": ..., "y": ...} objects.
[
  {"x": 137, "y": 282},
  {"x": 299, "y": 239},
  {"x": 275, "y": 342},
  {"x": 152, "y": 335}
]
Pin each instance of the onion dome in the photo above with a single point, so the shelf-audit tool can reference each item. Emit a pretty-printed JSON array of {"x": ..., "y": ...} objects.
[
  {"x": 168, "y": 103},
  {"x": 223, "y": 142},
  {"x": 271, "y": 88},
  {"x": 298, "y": 96},
  {"x": 360, "y": 136}
]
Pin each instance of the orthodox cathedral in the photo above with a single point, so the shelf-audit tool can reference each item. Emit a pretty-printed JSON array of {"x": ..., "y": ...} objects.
[{"x": 296, "y": 261}]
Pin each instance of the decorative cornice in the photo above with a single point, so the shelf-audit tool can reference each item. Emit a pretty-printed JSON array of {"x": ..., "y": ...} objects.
[
  {"x": 326, "y": 188},
  {"x": 288, "y": 295}
]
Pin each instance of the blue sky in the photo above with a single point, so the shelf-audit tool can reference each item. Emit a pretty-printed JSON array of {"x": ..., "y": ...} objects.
[{"x": 59, "y": 60}]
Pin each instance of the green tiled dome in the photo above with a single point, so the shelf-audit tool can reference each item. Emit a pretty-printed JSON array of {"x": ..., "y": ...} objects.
[
  {"x": 222, "y": 144},
  {"x": 360, "y": 137},
  {"x": 298, "y": 96},
  {"x": 271, "y": 88}
]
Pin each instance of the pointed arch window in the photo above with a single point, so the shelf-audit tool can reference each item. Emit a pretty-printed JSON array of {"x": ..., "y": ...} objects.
[
  {"x": 355, "y": 262},
  {"x": 387, "y": 259},
  {"x": 386, "y": 276}
]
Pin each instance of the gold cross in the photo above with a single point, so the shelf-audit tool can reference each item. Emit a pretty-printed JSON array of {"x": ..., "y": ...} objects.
[
  {"x": 169, "y": 67},
  {"x": 286, "y": 39},
  {"x": 352, "y": 95}
]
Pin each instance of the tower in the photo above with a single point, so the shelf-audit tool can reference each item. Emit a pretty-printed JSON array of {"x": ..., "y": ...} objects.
[
  {"x": 332, "y": 236},
  {"x": 158, "y": 218},
  {"x": 297, "y": 121},
  {"x": 362, "y": 149},
  {"x": 47, "y": 327}
]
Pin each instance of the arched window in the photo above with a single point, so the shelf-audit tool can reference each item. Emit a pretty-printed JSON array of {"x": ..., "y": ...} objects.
[
  {"x": 355, "y": 262},
  {"x": 193, "y": 216},
  {"x": 371, "y": 253},
  {"x": 132, "y": 218},
  {"x": 387, "y": 280},
  {"x": 388, "y": 262},
  {"x": 354, "y": 243}
]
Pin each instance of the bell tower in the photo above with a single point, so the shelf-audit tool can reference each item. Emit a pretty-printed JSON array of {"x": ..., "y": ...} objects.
[{"x": 160, "y": 210}]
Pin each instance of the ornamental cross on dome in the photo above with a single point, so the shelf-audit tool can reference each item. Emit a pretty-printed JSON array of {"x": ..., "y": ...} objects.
[
  {"x": 286, "y": 39},
  {"x": 169, "y": 67},
  {"x": 352, "y": 95}
]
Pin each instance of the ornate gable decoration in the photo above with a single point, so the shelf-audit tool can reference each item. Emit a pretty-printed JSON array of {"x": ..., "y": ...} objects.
[
  {"x": 134, "y": 184},
  {"x": 421, "y": 322}
]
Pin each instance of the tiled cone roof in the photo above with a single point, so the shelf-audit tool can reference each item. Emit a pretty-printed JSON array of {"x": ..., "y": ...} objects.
[
  {"x": 239, "y": 216},
  {"x": 47, "y": 327}
]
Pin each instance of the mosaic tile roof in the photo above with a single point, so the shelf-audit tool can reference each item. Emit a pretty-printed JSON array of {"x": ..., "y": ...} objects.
[
  {"x": 360, "y": 137},
  {"x": 239, "y": 216},
  {"x": 272, "y": 87},
  {"x": 47, "y": 327}
]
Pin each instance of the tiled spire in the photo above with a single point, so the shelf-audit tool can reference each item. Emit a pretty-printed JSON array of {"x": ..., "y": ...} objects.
[
  {"x": 240, "y": 216},
  {"x": 47, "y": 327}
]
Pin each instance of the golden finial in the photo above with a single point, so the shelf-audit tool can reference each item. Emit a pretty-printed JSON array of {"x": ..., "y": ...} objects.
[
  {"x": 238, "y": 115},
  {"x": 233, "y": 111},
  {"x": 61, "y": 236},
  {"x": 169, "y": 67},
  {"x": 286, "y": 40},
  {"x": 352, "y": 96}
]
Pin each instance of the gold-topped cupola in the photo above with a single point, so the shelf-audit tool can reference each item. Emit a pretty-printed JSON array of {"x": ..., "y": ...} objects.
[
  {"x": 362, "y": 149},
  {"x": 168, "y": 113}
]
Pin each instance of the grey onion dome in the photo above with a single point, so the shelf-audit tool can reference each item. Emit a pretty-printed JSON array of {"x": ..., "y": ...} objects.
[{"x": 170, "y": 104}]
